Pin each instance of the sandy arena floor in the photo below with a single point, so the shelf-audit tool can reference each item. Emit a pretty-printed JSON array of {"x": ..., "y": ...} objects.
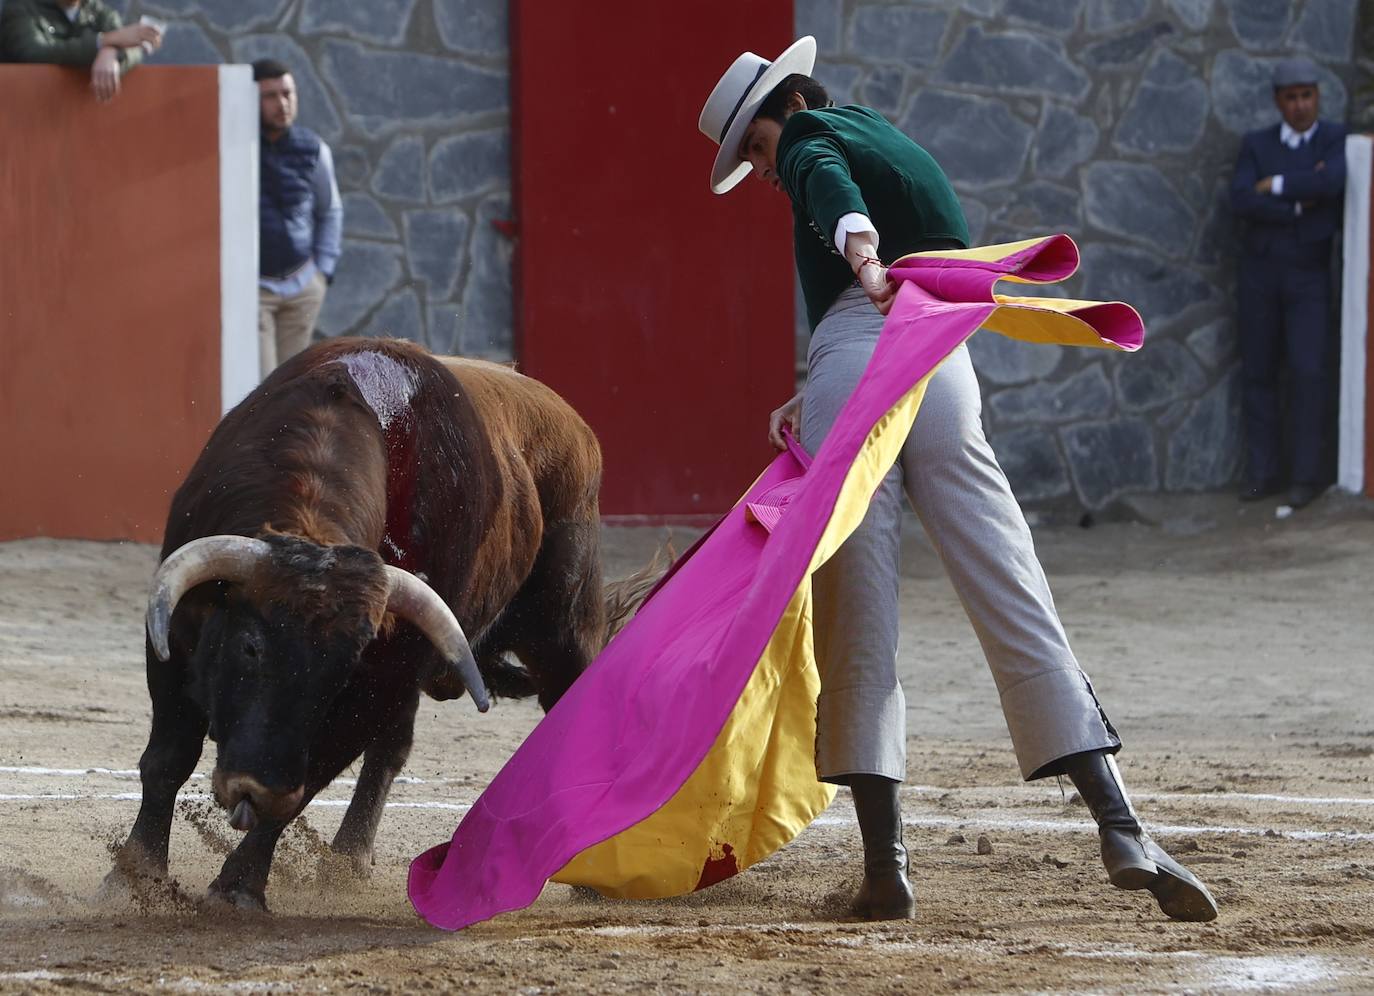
[{"x": 1234, "y": 651}]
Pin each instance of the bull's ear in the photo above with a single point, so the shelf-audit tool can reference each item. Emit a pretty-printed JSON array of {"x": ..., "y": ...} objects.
[
  {"x": 184, "y": 636},
  {"x": 358, "y": 637},
  {"x": 444, "y": 682},
  {"x": 419, "y": 604},
  {"x": 210, "y": 558}
]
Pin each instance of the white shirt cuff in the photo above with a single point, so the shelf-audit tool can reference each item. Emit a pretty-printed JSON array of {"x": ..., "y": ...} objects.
[
  {"x": 1276, "y": 185},
  {"x": 854, "y": 223}
]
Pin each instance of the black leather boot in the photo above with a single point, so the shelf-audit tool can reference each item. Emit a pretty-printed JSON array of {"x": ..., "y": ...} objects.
[
  {"x": 886, "y": 892},
  {"x": 1133, "y": 860}
]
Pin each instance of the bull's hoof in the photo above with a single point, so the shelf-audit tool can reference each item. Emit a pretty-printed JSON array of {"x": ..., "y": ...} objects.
[
  {"x": 235, "y": 897},
  {"x": 125, "y": 888},
  {"x": 585, "y": 894},
  {"x": 116, "y": 890},
  {"x": 344, "y": 870}
]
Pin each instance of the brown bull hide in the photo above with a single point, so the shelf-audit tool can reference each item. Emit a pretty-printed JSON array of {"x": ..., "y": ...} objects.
[{"x": 354, "y": 455}]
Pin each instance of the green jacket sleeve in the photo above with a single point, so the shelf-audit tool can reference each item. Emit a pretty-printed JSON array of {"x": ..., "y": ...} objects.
[
  {"x": 815, "y": 171},
  {"x": 107, "y": 19},
  {"x": 129, "y": 57},
  {"x": 25, "y": 38}
]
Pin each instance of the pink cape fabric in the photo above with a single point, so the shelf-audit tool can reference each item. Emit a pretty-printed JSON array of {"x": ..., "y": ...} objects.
[{"x": 634, "y": 727}]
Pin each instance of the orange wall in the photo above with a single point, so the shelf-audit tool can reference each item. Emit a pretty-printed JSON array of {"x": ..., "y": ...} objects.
[{"x": 109, "y": 297}]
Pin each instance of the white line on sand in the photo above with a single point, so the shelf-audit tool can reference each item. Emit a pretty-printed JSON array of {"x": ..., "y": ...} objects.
[
  {"x": 132, "y": 773},
  {"x": 1242, "y": 973},
  {"x": 1075, "y": 826},
  {"x": 1217, "y": 971},
  {"x": 103, "y": 982},
  {"x": 460, "y": 807},
  {"x": 76, "y": 772},
  {"x": 1295, "y": 800},
  {"x": 828, "y": 819},
  {"x": 1221, "y": 972}
]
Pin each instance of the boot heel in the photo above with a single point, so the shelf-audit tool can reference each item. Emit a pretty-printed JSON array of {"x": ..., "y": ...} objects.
[
  {"x": 1129, "y": 865},
  {"x": 1133, "y": 877}
]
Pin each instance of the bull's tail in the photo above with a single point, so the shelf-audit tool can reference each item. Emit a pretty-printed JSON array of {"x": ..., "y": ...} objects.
[
  {"x": 624, "y": 597},
  {"x": 504, "y": 678},
  {"x": 508, "y": 679}
]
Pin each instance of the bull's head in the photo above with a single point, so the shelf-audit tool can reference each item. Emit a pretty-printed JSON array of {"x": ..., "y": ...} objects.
[{"x": 273, "y": 656}]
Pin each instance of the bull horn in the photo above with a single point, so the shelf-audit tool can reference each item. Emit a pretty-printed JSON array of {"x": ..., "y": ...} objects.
[
  {"x": 418, "y": 603},
  {"x": 210, "y": 558}
]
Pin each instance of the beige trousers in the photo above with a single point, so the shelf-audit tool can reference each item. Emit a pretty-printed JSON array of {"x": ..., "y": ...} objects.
[{"x": 285, "y": 324}]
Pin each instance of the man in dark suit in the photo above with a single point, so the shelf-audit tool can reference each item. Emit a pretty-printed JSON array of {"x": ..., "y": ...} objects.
[{"x": 1288, "y": 185}]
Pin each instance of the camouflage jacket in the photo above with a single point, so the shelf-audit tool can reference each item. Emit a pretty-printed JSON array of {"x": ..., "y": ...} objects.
[{"x": 39, "y": 31}]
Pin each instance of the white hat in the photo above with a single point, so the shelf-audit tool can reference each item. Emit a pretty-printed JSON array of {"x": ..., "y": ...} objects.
[{"x": 736, "y": 99}]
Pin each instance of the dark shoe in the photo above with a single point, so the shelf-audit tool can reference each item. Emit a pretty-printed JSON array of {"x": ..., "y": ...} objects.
[
  {"x": 886, "y": 891},
  {"x": 1302, "y": 495},
  {"x": 1133, "y": 860},
  {"x": 1260, "y": 491}
]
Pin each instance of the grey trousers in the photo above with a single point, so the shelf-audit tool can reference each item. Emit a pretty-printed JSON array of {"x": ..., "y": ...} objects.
[{"x": 952, "y": 479}]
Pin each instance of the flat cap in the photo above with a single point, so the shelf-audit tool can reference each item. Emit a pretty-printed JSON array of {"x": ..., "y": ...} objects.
[{"x": 1292, "y": 72}]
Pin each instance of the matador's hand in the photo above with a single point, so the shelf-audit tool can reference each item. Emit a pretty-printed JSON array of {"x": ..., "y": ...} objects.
[
  {"x": 789, "y": 415},
  {"x": 874, "y": 280}
]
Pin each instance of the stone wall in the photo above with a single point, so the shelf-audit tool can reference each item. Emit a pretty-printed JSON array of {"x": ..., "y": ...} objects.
[
  {"x": 1116, "y": 121},
  {"x": 413, "y": 97}
]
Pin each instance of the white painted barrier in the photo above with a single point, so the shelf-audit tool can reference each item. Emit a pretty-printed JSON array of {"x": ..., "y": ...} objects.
[{"x": 1353, "y": 472}]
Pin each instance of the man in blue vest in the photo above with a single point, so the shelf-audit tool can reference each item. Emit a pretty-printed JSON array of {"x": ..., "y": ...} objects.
[
  {"x": 1288, "y": 185},
  {"x": 300, "y": 220}
]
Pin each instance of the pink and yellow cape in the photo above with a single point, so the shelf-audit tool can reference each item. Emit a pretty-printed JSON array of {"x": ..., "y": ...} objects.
[{"x": 685, "y": 753}]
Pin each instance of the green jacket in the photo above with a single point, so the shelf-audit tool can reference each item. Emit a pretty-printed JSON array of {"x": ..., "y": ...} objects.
[
  {"x": 38, "y": 31},
  {"x": 840, "y": 159}
]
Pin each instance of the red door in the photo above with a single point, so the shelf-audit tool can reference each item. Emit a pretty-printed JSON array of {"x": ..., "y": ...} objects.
[{"x": 661, "y": 311}]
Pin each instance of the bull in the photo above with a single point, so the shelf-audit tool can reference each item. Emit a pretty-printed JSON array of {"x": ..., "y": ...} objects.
[{"x": 343, "y": 530}]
